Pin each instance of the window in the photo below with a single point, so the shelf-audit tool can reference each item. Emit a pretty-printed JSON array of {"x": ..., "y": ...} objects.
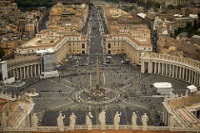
[
  {"x": 109, "y": 45},
  {"x": 83, "y": 45}
]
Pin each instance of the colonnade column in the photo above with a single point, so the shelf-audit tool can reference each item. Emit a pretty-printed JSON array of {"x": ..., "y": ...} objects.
[
  {"x": 13, "y": 71},
  {"x": 192, "y": 77},
  {"x": 31, "y": 73},
  {"x": 142, "y": 67},
  {"x": 17, "y": 73},
  {"x": 162, "y": 69},
  {"x": 183, "y": 73},
  {"x": 35, "y": 70},
  {"x": 20, "y": 70},
  {"x": 198, "y": 80},
  {"x": 24, "y": 72},
  {"x": 186, "y": 72},
  {"x": 170, "y": 69},
  {"x": 38, "y": 69},
  {"x": 155, "y": 67},
  {"x": 189, "y": 74},
  {"x": 176, "y": 71},
  {"x": 173, "y": 70},
  {"x": 159, "y": 67},
  {"x": 180, "y": 72},
  {"x": 27, "y": 70},
  {"x": 167, "y": 69},
  {"x": 150, "y": 65},
  {"x": 195, "y": 78}
]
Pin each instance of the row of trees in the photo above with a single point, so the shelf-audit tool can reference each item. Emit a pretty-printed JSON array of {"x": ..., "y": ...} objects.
[
  {"x": 33, "y": 3},
  {"x": 190, "y": 29},
  {"x": 146, "y": 4}
]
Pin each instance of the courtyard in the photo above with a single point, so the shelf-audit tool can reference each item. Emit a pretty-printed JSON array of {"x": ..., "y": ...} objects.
[{"x": 126, "y": 91}]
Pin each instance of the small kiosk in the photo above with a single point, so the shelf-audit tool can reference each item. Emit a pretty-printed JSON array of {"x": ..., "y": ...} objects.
[
  {"x": 163, "y": 88},
  {"x": 192, "y": 88}
]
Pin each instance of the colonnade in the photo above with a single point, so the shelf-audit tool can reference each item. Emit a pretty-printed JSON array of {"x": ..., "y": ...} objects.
[
  {"x": 173, "y": 68},
  {"x": 183, "y": 2},
  {"x": 25, "y": 71}
]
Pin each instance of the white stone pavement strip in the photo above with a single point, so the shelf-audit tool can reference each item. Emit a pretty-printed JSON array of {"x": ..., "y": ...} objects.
[
  {"x": 69, "y": 81},
  {"x": 135, "y": 105},
  {"x": 124, "y": 87},
  {"x": 128, "y": 79},
  {"x": 73, "y": 106},
  {"x": 60, "y": 106},
  {"x": 60, "y": 83}
]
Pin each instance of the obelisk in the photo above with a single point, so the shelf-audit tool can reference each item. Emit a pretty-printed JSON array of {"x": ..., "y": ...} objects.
[{"x": 97, "y": 74}]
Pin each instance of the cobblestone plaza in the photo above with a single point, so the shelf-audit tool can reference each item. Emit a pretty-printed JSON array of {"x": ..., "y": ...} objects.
[{"x": 126, "y": 91}]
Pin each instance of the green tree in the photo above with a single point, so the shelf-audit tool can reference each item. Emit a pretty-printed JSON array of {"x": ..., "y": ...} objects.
[
  {"x": 188, "y": 25},
  {"x": 141, "y": 3},
  {"x": 170, "y": 7},
  {"x": 156, "y": 4},
  {"x": 195, "y": 25},
  {"x": 198, "y": 20},
  {"x": 2, "y": 53}
]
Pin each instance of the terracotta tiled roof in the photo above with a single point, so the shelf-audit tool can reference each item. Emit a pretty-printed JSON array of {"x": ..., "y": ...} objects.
[{"x": 185, "y": 102}]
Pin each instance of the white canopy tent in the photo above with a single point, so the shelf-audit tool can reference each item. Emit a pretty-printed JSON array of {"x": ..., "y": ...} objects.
[
  {"x": 192, "y": 88},
  {"x": 163, "y": 88},
  {"x": 162, "y": 85}
]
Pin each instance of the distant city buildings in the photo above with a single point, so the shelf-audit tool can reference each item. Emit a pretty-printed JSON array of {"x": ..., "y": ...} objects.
[
  {"x": 126, "y": 35},
  {"x": 63, "y": 34},
  {"x": 16, "y": 27},
  {"x": 174, "y": 2}
]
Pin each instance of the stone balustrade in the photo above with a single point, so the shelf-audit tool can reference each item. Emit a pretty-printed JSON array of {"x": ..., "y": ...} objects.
[
  {"x": 186, "y": 61},
  {"x": 82, "y": 127},
  {"x": 7, "y": 97},
  {"x": 21, "y": 61}
]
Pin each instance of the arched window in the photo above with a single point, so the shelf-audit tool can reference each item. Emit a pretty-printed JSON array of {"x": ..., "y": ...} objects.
[
  {"x": 109, "y": 45},
  {"x": 83, "y": 45}
]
